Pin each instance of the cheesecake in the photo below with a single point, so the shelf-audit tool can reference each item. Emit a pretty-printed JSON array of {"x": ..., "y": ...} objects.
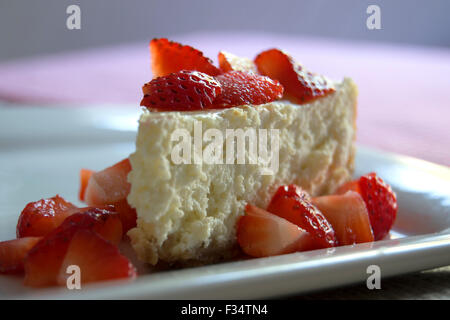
[{"x": 188, "y": 206}]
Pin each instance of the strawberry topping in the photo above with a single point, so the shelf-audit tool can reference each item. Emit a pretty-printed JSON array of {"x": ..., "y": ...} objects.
[
  {"x": 181, "y": 91},
  {"x": 239, "y": 88},
  {"x": 300, "y": 85},
  {"x": 170, "y": 57}
]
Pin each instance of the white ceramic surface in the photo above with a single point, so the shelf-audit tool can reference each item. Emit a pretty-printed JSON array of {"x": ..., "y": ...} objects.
[{"x": 42, "y": 150}]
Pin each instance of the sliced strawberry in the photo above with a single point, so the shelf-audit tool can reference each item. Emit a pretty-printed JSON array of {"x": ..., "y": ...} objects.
[
  {"x": 13, "y": 252},
  {"x": 293, "y": 204},
  {"x": 380, "y": 200},
  {"x": 127, "y": 214},
  {"x": 85, "y": 175},
  {"x": 169, "y": 57},
  {"x": 348, "y": 215},
  {"x": 98, "y": 260},
  {"x": 381, "y": 203},
  {"x": 109, "y": 185},
  {"x": 43, "y": 261},
  {"x": 231, "y": 62},
  {"x": 181, "y": 91},
  {"x": 300, "y": 85},
  {"x": 104, "y": 221},
  {"x": 262, "y": 234},
  {"x": 239, "y": 88},
  {"x": 41, "y": 217}
]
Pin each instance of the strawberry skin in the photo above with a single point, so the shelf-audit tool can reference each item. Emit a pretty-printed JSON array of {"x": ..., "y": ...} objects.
[
  {"x": 181, "y": 91},
  {"x": 169, "y": 57},
  {"x": 98, "y": 260},
  {"x": 262, "y": 234},
  {"x": 41, "y": 217},
  {"x": 293, "y": 204},
  {"x": 13, "y": 252},
  {"x": 240, "y": 88},
  {"x": 381, "y": 203},
  {"x": 301, "y": 86}
]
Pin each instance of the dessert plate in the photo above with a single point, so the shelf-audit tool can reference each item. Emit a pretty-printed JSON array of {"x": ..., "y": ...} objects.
[{"x": 42, "y": 150}]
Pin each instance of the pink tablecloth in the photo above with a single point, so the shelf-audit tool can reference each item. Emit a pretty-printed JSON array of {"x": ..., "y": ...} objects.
[{"x": 404, "y": 103}]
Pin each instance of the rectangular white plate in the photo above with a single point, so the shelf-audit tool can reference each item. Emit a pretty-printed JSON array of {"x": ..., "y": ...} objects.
[{"x": 42, "y": 150}]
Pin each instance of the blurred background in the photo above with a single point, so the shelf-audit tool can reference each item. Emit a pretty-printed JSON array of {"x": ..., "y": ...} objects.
[
  {"x": 401, "y": 69},
  {"x": 38, "y": 27}
]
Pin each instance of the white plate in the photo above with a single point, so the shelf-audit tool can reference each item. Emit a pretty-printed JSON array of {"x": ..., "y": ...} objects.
[{"x": 42, "y": 150}]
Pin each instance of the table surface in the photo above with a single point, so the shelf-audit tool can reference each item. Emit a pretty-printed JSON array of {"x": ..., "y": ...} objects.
[{"x": 404, "y": 103}]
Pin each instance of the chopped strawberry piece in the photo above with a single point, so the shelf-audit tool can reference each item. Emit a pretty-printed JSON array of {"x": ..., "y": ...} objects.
[
  {"x": 98, "y": 260},
  {"x": 262, "y": 234},
  {"x": 348, "y": 215},
  {"x": 85, "y": 175},
  {"x": 300, "y": 85},
  {"x": 13, "y": 252},
  {"x": 41, "y": 217},
  {"x": 230, "y": 62},
  {"x": 293, "y": 204},
  {"x": 381, "y": 203},
  {"x": 239, "y": 88},
  {"x": 104, "y": 221},
  {"x": 109, "y": 185},
  {"x": 380, "y": 200},
  {"x": 43, "y": 261},
  {"x": 127, "y": 215},
  {"x": 169, "y": 57},
  {"x": 181, "y": 91}
]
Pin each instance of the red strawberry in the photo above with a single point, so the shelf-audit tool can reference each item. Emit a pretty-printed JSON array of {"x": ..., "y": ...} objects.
[
  {"x": 181, "y": 91},
  {"x": 104, "y": 221},
  {"x": 262, "y": 234},
  {"x": 13, "y": 252},
  {"x": 169, "y": 57},
  {"x": 39, "y": 218},
  {"x": 300, "y": 85},
  {"x": 380, "y": 200},
  {"x": 348, "y": 215},
  {"x": 127, "y": 214},
  {"x": 109, "y": 185},
  {"x": 85, "y": 175},
  {"x": 293, "y": 204},
  {"x": 381, "y": 203},
  {"x": 43, "y": 261},
  {"x": 97, "y": 259},
  {"x": 230, "y": 62},
  {"x": 239, "y": 88}
]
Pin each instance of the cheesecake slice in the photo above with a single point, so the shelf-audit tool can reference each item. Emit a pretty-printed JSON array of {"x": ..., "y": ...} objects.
[{"x": 187, "y": 209}]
